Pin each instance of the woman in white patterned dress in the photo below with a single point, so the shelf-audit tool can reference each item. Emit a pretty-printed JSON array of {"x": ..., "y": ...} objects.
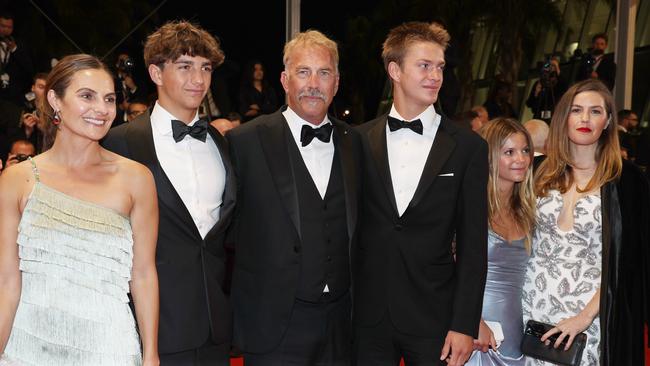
[
  {"x": 78, "y": 231},
  {"x": 575, "y": 279}
]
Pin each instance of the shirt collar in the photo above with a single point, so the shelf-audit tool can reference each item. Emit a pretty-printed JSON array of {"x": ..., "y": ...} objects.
[
  {"x": 428, "y": 117},
  {"x": 295, "y": 123},
  {"x": 161, "y": 120}
]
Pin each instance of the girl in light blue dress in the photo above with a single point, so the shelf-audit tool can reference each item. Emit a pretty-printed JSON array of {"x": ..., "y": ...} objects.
[{"x": 511, "y": 205}]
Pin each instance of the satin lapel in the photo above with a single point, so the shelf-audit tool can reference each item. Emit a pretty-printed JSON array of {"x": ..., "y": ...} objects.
[
  {"x": 230, "y": 190},
  {"x": 379, "y": 151},
  {"x": 140, "y": 143},
  {"x": 343, "y": 144},
  {"x": 274, "y": 138},
  {"x": 443, "y": 145}
]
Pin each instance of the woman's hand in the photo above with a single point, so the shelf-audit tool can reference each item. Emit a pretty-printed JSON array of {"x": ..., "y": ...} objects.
[
  {"x": 569, "y": 327},
  {"x": 575, "y": 325},
  {"x": 485, "y": 338}
]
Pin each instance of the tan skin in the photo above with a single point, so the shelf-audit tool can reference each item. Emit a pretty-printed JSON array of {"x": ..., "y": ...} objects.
[
  {"x": 585, "y": 124},
  {"x": 182, "y": 84},
  {"x": 416, "y": 83},
  {"x": 515, "y": 154},
  {"x": 79, "y": 167}
]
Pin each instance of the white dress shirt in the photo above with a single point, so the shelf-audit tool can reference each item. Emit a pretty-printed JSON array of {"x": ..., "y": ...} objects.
[
  {"x": 318, "y": 155},
  {"x": 407, "y": 154},
  {"x": 194, "y": 168}
]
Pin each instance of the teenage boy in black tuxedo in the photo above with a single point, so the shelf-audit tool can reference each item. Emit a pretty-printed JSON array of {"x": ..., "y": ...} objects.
[
  {"x": 295, "y": 220},
  {"x": 196, "y": 194},
  {"x": 424, "y": 182}
]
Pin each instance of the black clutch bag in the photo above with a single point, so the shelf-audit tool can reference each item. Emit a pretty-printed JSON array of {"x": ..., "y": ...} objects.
[{"x": 532, "y": 346}]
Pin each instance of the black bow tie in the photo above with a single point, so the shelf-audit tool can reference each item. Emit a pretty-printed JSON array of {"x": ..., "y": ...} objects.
[
  {"x": 308, "y": 133},
  {"x": 395, "y": 124},
  {"x": 199, "y": 130}
]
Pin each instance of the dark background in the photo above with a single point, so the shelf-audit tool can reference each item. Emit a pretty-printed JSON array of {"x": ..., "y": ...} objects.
[{"x": 248, "y": 30}]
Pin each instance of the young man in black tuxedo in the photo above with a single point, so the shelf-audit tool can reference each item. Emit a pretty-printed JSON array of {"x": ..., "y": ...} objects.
[
  {"x": 196, "y": 194},
  {"x": 424, "y": 182},
  {"x": 295, "y": 219}
]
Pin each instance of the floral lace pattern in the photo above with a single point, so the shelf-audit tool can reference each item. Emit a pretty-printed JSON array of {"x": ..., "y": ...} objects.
[{"x": 564, "y": 269}]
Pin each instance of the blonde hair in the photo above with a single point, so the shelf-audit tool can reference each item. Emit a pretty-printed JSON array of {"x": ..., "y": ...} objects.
[
  {"x": 402, "y": 36},
  {"x": 311, "y": 38},
  {"x": 556, "y": 171},
  {"x": 522, "y": 201}
]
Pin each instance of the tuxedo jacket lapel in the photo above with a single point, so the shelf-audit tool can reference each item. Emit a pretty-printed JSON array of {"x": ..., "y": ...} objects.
[
  {"x": 443, "y": 145},
  {"x": 230, "y": 190},
  {"x": 274, "y": 139},
  {"x": 343, "y": 144},
  {"x": 142, "y": 149},
  {"x": 379, "y": 151}
]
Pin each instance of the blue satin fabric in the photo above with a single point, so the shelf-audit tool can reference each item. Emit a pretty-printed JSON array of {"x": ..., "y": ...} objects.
[{"x": 502, "y": 300}]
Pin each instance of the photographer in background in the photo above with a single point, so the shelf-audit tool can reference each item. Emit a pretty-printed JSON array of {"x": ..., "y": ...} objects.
[
  {"x": 127, "y": 86},
  {"x": 547, "y": 90},
  {"x": 27, "y": 127},
  {"x": 20, "y": 151},
  {"x": 596, "y": 65},
  {"x": 15, "y": 63}
]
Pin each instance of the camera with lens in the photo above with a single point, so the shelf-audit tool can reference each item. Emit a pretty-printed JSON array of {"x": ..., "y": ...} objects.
[
  {"x": 21, "y": 157},
  {"x": 7, "y": 39},
  {"x": 588, "y": 62},
  {"x": 126, "y": 65},
  {"x": 547, "y": 73}
]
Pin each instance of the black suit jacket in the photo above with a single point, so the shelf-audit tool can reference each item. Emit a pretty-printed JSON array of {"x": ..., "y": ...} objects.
[
  {"x": 405, "y": 265},
  {"x": 191, "y": 270},
  {"x": 267, "y": 230},
  {"x": 607, "y": 71}
]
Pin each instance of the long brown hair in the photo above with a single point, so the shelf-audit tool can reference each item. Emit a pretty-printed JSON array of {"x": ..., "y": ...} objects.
[
  {"x": 556, "y": 171},
  {"x": 522, "y": 201},
  {"x": 59, "y": 80}
]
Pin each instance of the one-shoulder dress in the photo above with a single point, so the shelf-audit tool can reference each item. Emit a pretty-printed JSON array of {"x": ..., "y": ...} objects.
[{"x": 75, "y": 259}]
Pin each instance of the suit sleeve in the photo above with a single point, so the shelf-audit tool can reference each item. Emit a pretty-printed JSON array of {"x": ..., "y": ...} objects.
[
  {"x": 115, "y": 141},
  {"x": 471, "y": 244},
  {"x": 233, "y": 229}
]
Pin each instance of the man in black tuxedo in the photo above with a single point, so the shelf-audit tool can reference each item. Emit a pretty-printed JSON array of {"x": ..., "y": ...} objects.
[
  {"x": 190, "y": 163},
  {"x": 424, "y": 182},
  {"x": 597, "y": 64},
  {"x": 295, "y": 219},
  {"x": 16, "y": 68}
]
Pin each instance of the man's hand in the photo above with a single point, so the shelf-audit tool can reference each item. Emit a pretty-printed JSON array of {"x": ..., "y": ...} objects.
[
  {"x": 457, "y": 348},
  {"x": 485, "y": 338},
  {"x": 130, "y": 83},
  {"x": 30, "y": 120},
  {"x": 11, "y": 160},
  {"x": 538, "y": 89}
]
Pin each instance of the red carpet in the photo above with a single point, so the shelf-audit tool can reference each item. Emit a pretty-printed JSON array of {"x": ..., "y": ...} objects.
[
  {"x": 647, "y": 350},
  {"x": 240, "y": 362}
]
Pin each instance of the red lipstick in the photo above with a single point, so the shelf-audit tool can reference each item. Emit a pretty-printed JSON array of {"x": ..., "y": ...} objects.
[{"x": 584, "y": 129}]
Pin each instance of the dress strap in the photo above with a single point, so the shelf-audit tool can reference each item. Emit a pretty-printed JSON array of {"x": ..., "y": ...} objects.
[{"x": 37, "y": 175}]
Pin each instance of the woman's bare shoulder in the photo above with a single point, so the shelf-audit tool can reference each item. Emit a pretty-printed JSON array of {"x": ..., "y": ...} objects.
[
  {"x": 17, "y": 180},
  {"x": 130, "y": 168}
]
